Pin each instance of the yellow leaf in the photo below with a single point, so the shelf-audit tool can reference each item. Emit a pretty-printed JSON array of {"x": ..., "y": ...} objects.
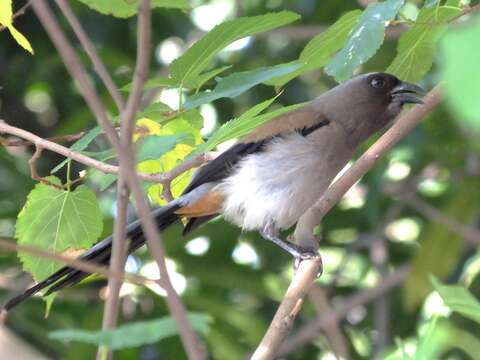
[
  {"x": 20, "y": 39},
  {"x": 6, "y": 12},
  {"x": 147, "y": 127}
]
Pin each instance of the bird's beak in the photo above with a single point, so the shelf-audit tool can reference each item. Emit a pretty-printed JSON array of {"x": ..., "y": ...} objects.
[{"x": 406, "y": 93}]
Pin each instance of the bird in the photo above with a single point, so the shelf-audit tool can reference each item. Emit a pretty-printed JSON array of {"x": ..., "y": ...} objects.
[{"x": 270, "y": 177}]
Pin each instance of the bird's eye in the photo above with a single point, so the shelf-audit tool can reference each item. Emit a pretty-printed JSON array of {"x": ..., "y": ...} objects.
[{"x": 377, "y": 83}]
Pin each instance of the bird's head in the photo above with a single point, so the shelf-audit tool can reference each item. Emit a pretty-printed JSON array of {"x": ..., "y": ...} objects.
[{"x": 368, "y": 102}]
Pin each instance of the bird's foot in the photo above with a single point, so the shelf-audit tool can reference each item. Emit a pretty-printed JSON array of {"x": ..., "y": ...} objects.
[{"x": 304, "y": 253}]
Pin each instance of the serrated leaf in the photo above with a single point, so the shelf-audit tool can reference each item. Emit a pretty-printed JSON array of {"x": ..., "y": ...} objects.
[
  {"x": 417, "y": 47},
  {"x": 237, "y": 83},
  {"x": 80, "y": 145},
  {"x": 321, "y": 48},
  {"x": 458, "y": 299},
  {"x": 188, "y": 67},
  {"x": 125, "y": 9},
  {"x": 57, "y": 220},
  {"x": 440, "y": 248},
  {"x": 134, "y": 334},
  {"x": 460, "y": 70},
  {"x": 365, "y": 39}
]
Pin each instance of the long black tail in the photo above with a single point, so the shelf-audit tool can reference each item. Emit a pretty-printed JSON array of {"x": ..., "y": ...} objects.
[{"x": 99, "y": 253}]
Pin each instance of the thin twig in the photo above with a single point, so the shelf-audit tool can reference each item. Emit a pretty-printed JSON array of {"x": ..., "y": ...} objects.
[
  {"x": 103, "y": 167},
  {"x": 469, "y": 233},
  {"x": 75, "y": 263},
  {"x": 333, "y": 333},
  {"x": 87, "y": 44},
  {"x": 288, "y": 309},
  {"x": 127, "y": 125},
  {"x": 32, "y": 162},
  {"x": 55, "y": 139},
  {"x": 310, "y": 331},
  {"x": 117, "y": 259}
]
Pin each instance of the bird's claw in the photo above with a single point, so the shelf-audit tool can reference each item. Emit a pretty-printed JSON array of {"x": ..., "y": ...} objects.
[{"x": 307, "y": 254}]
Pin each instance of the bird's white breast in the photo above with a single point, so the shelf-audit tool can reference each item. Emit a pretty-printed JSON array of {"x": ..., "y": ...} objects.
[{"x": 282, "y": 181}]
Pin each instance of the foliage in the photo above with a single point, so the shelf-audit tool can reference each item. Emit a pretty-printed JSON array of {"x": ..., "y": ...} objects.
[
  {"x": 234, "y": 278},
  {"x": 131, "y": 335}
]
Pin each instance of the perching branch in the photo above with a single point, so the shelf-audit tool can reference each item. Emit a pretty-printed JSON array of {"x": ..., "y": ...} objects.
[
  {"x": 162, "y": 178},
  {"x": 289, "y": 308},
  {"x": 304, "y": 230},
  {"x": 310, "y": 331}
]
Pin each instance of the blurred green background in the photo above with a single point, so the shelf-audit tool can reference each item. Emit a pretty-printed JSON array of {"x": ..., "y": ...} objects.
[{"x": 392, "y": 217}]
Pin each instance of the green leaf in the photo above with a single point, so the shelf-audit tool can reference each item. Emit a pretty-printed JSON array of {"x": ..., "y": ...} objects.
[
  {"x": 80, "y": 145},
  {"x": 154, "y": 146},
  {"x": 154, "y": 82},
  {"x": 321, "y": 48},
  {"x": 458, "y": 299},
  {"x": 417, "y": 47},
  {"x": 365, "y": 39},
  {"x": 244, "y": 125},
  {"x": 237, "y": 83},
  {"x": 187, "y": 68},
  {"x": 57, "y": 220},
  {"x": 134, "y": 334},
  {"x": 127, "y": 8},
  {"x": 203, "y": 78},
  {"x": 460, "y": 70}
]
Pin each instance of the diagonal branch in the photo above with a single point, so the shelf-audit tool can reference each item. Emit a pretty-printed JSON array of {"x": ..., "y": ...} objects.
[
  {"x": 163, "y": 178},
  {"x": 310, "y": 331},
  {"x": 87, "y": 44},
  {"x": 308, "y": 221}
]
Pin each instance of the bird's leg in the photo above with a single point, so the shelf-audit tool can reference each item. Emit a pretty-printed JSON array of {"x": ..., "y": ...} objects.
[{"x": 271, "y": 233}]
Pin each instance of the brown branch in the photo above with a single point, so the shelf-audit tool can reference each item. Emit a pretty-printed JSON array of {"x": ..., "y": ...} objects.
[
  {"x": 19, "y": 12},
  {"x": 117, "y": 259},
  {"x": 127, "y": 124},
  {"x": 75, "y": 263},
  {"x": 103, "y": 167},
  {"x": 288, "y": 309},
  {"x": 87, "y": 44},
  {"x": 55, "y": 139},
  {"x": 75, "y": 68},
  {"x": 32, "y": 162},
  {"x": 335, "y": 337},
  {"x": 469, "y": 233},
  {"x": 310, "y": 331}
]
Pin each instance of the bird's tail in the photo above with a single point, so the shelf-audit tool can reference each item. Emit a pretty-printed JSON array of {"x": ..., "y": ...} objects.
[{"x": 99, "y": 253}]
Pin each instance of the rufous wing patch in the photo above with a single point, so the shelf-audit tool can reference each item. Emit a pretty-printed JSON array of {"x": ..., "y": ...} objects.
[{"x": 210, "y": 204}]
